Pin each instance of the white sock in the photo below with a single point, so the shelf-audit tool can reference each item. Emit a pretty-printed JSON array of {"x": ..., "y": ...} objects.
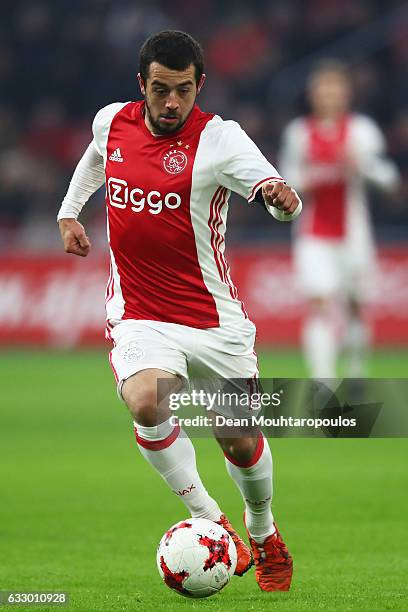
[
  {"x": 319, "y": 343},
  {"x": 170, "y": 451},
  {"x": 255, "y": 484},
  {"x": 356, "y": 343}
]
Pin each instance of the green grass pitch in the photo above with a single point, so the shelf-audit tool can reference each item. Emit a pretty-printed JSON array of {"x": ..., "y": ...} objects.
[{"x": 80, "y": 511}]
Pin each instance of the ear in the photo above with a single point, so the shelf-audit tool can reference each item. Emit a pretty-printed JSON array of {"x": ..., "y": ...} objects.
[
  {"x": 201, "y": 82},
  {"x": 141, "y": 84}
]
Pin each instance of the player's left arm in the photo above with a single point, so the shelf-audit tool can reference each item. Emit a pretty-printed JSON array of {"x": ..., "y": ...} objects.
[
  {"x": 281, "y": 200},
  {"x": 368, "y": 153},
  {"x": 241, "y": 167}
]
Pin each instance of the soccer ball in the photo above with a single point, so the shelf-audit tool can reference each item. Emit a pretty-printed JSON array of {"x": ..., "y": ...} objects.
[{"x": 196, "y": 557}]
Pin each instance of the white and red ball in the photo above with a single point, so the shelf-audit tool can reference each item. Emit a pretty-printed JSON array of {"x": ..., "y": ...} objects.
[{"x": 196, "y": 557}]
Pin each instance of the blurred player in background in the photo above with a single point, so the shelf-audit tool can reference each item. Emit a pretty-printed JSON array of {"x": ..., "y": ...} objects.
[
  {"x": 330, "y": 157},
  {"x": 169, "y": 169}
]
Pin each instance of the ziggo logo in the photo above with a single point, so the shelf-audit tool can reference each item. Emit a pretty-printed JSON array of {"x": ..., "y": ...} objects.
[{"x": 119, "y": 196}]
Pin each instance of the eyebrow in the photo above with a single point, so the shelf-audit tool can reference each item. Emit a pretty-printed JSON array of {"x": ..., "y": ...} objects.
[{"x": 188, "y": 82}]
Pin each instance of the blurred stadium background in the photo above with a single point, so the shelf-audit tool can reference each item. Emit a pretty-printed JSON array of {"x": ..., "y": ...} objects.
[
  {"x": 76, "y": 493},
  {"x": 60, "y": 62}
]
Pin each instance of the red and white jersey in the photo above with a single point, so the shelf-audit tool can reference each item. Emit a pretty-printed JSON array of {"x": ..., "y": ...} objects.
[
  {"x": 167, "y": 201},
  {"x": 314, "y": 159}
]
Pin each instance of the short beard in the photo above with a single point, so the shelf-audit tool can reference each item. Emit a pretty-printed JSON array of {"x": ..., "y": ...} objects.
[{"x": 159, "y": 129}]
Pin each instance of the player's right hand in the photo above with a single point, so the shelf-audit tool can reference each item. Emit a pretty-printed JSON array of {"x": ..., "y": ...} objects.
[{"x": 74, "y": 237}]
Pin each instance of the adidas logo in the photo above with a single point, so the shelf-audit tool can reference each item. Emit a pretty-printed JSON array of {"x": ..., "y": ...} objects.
[{"x": 116, "y": 156}]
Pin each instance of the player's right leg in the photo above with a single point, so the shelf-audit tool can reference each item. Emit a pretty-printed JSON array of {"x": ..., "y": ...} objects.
[
  {"x": 222, "y": 355},
  {"x": 165, "y": 445},
  {"x": 149, "y": 363},
  {"x": 143, "y": 354}
]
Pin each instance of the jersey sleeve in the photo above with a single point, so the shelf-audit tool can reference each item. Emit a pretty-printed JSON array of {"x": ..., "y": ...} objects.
[
  {"x": 88, "y": 176},
  {"x": 101, "y": 125},
  {"x": 369, "y": 150},
  {"x": 238, "y": 163}
]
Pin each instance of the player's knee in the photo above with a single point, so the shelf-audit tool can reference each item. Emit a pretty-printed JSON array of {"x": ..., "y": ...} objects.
[
  {"x": 318, "y": 305},
  {"x": 354, "y": 308},
  {"x": 241, "y": 449},
  {"x": 142, "y": 403}
]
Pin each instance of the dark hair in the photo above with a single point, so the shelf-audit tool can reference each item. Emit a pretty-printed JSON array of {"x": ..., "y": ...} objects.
[
  {"x": 329, "y": 64},
  {"x": 171, "y": 48}
]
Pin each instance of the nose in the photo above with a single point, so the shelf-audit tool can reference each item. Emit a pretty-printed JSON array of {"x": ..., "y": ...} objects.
[{"x": 172, "y": 102}]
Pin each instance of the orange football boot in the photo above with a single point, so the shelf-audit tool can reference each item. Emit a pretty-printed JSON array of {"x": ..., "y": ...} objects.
[
  {"x": 273, "y": 563},
  {"x": 244, "y": 556}
]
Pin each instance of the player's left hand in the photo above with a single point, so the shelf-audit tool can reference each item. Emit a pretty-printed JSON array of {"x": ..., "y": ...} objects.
[{"x": 281, "y": 196}]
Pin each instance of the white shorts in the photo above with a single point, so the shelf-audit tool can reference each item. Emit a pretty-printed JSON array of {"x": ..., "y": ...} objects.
[
  {"x": 325, "y": 268},
  {"x": 219, "y": 352}
]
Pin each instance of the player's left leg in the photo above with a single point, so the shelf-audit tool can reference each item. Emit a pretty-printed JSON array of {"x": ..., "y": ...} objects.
[
  {"x": 357, "y": 339},
  {"x": 229, "y": 353},
  {"x": 318, "y": 274},
  {"x": 249, "y": 463},
  {"x": 359, "y": 264}
]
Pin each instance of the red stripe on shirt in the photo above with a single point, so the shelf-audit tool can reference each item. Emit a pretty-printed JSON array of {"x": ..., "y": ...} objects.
[
  {"x": 109, "y": 286},
  {"x": 269, "y": 178},
  {"x": 211, "y": 224},
  {"x": 224, "y": 265}
]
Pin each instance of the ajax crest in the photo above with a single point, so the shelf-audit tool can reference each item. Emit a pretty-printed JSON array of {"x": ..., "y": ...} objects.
[
  {"x": 132, "y": 352},
  {"x": 174, "y": 161}
]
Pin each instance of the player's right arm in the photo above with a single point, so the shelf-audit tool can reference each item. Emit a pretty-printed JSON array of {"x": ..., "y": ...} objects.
[
  {"x": 89, "y": 175},
  {"x": 74, "y": 238}
]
